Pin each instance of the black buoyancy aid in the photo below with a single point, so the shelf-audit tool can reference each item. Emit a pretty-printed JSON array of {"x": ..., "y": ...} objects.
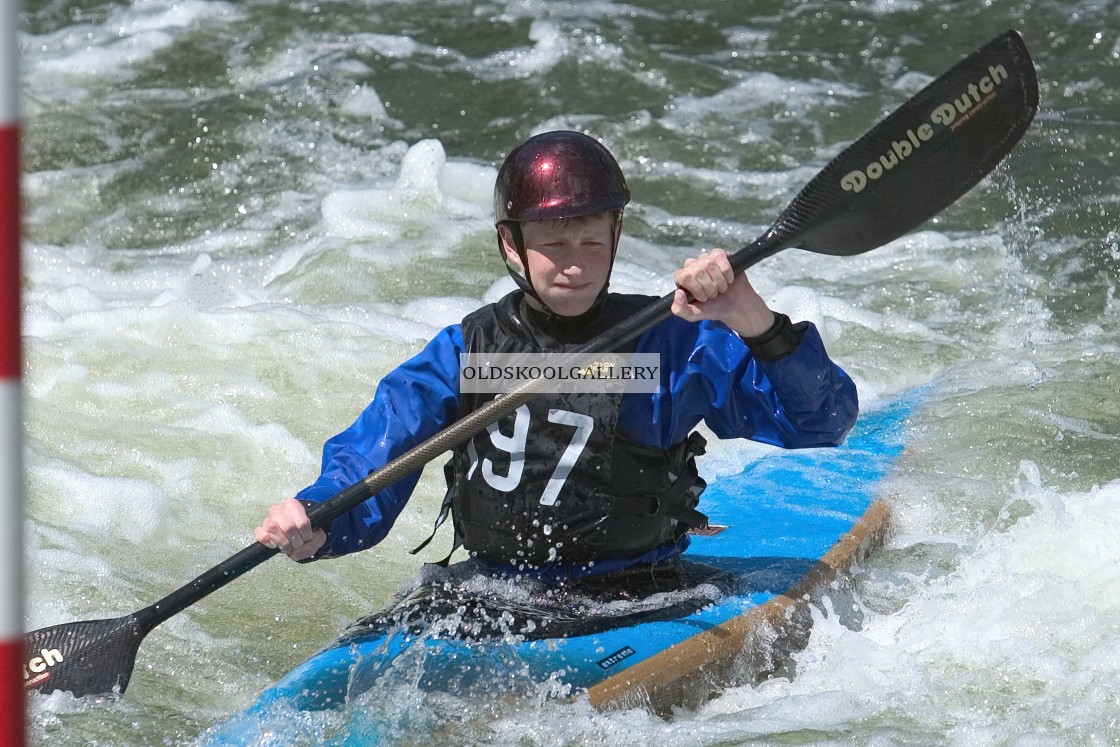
[{"x": 556, "y": 481}]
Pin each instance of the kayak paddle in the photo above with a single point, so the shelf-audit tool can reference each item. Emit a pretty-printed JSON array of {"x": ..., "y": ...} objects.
[{"x": 905, "y": 170}]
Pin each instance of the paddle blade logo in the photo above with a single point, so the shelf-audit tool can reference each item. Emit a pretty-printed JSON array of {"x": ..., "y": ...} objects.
[
  {"x": 951, "y": 114},
  {"x": 37, "y": 670}
]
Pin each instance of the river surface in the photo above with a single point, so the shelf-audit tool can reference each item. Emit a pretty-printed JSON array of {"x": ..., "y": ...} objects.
[{"x": 239, "y": 215}]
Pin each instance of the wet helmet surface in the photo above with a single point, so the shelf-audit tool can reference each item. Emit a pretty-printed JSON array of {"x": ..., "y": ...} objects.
[{"x": 561, "y": 174}]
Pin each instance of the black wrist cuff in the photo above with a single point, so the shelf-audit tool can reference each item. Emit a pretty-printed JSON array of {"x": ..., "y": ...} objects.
[{"x": 780, "y": 340}]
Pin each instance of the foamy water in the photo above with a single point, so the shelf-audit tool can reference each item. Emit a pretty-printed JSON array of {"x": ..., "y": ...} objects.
[{"x": 239, "y": 216}]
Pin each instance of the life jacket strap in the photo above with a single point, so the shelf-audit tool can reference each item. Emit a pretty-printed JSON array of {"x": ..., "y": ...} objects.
[{"x": 444, "y": 512}]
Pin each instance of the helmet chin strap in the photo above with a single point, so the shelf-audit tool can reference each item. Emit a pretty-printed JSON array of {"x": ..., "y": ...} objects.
[
  {"x": 525, "y": 282},
  {"x": 521, "y": 278}
]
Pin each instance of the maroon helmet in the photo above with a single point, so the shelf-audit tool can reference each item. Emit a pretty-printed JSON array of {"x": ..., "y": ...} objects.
[
  {"x": 561, "y": 174},
  {"x": 552, "y": 176}
]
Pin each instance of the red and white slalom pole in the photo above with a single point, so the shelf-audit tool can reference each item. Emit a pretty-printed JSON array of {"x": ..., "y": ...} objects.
[{"x": 13, "y": 719}]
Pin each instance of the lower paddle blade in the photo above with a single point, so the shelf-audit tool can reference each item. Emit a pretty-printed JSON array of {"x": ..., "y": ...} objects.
[
  {"x": 94, "y": 657},
  {"x": 921, "y": 158}
]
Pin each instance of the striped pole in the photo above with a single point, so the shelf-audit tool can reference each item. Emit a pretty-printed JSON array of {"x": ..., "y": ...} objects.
[{"x": 13, "y": 718}]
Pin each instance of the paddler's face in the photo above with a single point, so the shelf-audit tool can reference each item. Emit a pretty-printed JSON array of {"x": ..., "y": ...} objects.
[{"x": 569, "y": 260}]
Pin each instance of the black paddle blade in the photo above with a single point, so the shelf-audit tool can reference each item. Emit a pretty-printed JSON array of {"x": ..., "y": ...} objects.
[
  {"x": 921, "y": 158},
  {"x": 94, "y": 657}
]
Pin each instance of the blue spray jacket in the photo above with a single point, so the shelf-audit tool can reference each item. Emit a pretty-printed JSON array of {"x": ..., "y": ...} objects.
[{"x": 707, "y": 374}]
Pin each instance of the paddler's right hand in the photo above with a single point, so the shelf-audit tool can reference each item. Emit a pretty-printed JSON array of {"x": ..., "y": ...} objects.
[{"x": 288, "y": 529}]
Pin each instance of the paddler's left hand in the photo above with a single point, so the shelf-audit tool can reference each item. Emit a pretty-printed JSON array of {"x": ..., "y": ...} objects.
[
  {"x": 288, "y": 529},
  {"x": 720, "y": 295}
]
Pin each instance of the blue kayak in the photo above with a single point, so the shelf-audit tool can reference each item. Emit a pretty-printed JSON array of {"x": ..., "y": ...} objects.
[{"x": 730, "y": 611}]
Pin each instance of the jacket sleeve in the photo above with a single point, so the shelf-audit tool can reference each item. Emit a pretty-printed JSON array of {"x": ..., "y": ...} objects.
[
  {"x": 412, "y": 403},
  {"x": 801, "y": 400}
]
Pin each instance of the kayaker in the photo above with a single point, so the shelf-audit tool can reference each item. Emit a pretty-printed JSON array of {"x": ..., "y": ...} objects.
[{"x": 573, "y": 485}]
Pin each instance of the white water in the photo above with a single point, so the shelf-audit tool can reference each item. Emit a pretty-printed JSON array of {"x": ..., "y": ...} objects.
[{"x": 191, "y": 342}]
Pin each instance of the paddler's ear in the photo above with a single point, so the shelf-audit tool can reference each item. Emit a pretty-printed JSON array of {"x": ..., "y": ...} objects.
[{"x": 509, "y": 247}]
